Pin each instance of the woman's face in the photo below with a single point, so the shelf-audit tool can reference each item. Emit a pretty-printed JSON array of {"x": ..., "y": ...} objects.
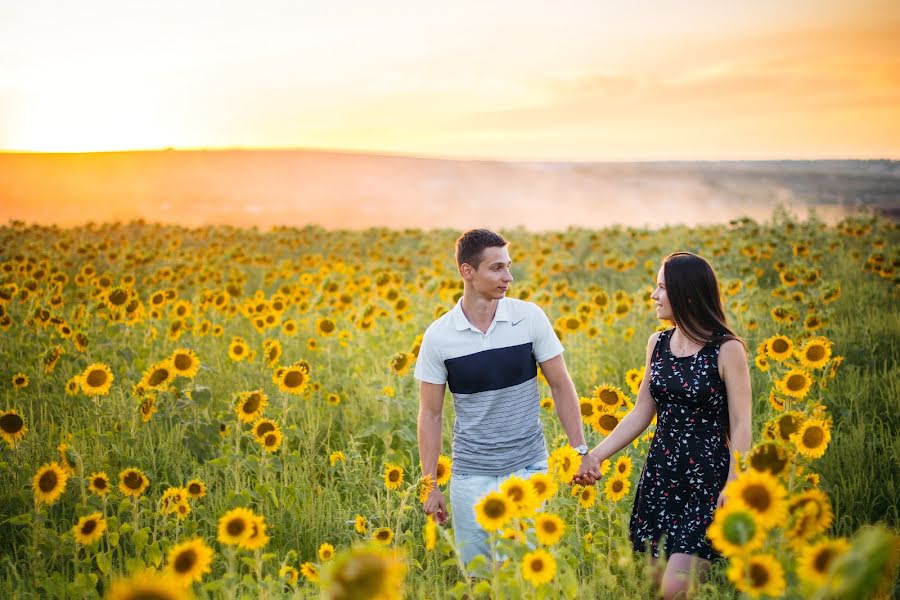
[{"x": 659, "y": 295}]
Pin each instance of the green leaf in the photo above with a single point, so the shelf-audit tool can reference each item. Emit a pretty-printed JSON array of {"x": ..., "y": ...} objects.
[
  {"x": 133, "y": 565},
  {"x": 140, "y": 539},
  {"x": 23, "y": 519},
  {"x": 201, "y": 395},
  {"x": 103, "y": 562},
  {"x": 154, "y": 554}
]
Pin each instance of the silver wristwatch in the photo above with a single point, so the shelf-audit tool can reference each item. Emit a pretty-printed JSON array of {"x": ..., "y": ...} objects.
[{"x": 582, "y": 449}]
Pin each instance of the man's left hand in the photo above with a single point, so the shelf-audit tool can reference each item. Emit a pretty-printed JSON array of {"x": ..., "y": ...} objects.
[{"x": 589, "y": 471}]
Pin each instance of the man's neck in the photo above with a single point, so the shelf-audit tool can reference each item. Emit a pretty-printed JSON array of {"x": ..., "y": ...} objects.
[{"x": 479, "y": 311}]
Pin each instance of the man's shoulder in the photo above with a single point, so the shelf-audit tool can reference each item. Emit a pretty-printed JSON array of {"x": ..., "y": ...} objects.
[
  {"x": 441, "y": 325},
  {"x": 521, "y": 309}
]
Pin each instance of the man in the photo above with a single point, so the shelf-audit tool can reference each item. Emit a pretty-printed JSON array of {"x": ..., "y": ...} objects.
[{"x": 487, "y": 349}]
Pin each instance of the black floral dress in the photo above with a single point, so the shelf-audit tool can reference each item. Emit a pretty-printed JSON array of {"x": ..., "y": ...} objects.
[{"x": 687, "y": 464}]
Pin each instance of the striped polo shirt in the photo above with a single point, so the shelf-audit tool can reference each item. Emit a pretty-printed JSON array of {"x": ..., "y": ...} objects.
[{"x": 493, "y": 379}]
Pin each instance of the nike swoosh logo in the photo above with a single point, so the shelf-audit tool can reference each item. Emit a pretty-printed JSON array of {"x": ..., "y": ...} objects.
[{"x": 514, "y": 323}]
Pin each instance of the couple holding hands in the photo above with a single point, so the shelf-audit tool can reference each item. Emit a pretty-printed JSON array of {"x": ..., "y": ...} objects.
[{"x": 697, "y": 383}]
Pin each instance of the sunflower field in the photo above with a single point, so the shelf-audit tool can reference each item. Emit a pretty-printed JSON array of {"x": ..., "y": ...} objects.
[{"x": 231, "y": 413}]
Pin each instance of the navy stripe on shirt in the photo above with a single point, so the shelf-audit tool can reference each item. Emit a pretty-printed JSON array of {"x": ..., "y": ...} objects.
[{"x": 489, "y": 370}]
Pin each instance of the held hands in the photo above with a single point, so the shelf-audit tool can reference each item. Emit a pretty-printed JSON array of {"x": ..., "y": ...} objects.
[
  {"x": 436, "y": 507},
  {"x": 589, "y": 471}
]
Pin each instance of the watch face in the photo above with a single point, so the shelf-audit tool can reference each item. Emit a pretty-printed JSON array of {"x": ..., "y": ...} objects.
[{"x": 582, "y": 449}]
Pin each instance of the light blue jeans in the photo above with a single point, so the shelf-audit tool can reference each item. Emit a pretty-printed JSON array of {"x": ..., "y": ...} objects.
[{"x": 465, "y": 492}]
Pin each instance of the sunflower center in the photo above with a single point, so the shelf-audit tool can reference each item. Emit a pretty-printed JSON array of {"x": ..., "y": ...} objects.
[
  {"x": 622, "y": 468},
  {"x": 271, "y": 440},
  {"x": 440, "y": 470},
  {"x": 47, "y": 482},
  {"x": 780, "y": 346},
  {"x": 96, "y": 378},
  {"x": 813, "y": 437},
  {"x": 394, "y": 476},
  {"x": 515, "y": 494},
  {"x": 609, "y": 397},
  {"x": 787, "y": 425},
  {"x": 549, "y": 526},
  {"x": 823, "y": 560},
  {"x": 183, "y": 362},
  {"x": 617, "y": 486},
  {"x": 739, "y": 528},
  {"x": 132, "y": 480},
  {"x": 759, "y": 575},
  {"x": 757, "y": 497},
  {"x": 118, "y": 297},
  {"x": 238, "y": 349},
  {"x": 494, "y": 508},
  {"x": 537, "y": 565},
  {"x": 100, "y": 483},
  {"x": 264, "y": 428},
  {"x": 251, "y": 404},
  {"x": 539, "y": 486},
  {"x": 815, "y": 353},
  {"x": 194, "y": 488},
  {"x": 89, "y": 526},
  {"x": 158, "y": 376},
  {"x": 11, "y": 423},
  {"x": 796, "y": 382},
  {"x": 767, "y": 458},
  {"x": 236, "y": 527},
  {"x": 185, "y": 561},
  {"x": 383, "y": 534},
  {"x": 293, "y": 379},
  {"x": 587, "y": 409},
  {"x": 608, "y": 422},
  {"x": 327, "y": 326}
]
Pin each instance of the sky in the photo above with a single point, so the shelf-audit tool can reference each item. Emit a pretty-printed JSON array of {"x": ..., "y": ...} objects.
[{"x": 567, "y": 80}]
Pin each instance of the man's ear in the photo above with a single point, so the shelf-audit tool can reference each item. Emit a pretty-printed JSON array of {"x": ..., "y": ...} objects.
[{"x": 466, "y": 270}]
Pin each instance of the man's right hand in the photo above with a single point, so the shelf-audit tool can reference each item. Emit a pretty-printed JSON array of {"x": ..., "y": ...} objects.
[{"x": 436, "y": 506}]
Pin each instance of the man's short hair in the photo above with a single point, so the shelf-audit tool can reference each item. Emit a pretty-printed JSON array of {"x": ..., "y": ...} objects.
[{"x": 471, "y": 244}]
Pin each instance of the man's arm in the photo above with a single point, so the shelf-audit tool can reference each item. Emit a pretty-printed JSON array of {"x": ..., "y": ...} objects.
[
  {"x": 431, "y": 405},
  {"x": 566, "y": 400}
]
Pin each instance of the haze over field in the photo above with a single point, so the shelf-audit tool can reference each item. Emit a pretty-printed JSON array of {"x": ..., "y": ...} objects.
[{"x": 342, "y": 190}]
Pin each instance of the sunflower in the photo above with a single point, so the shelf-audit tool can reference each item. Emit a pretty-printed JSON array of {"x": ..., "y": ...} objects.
[
  {"x": 788, "y": 423},
  {"x": 289, "y": 574},
  {"x": 779, "y": 348},
  {"x": 547, "y": 403},
  {"x": 757, "y": 575},
  {"x": 776, "y": 401},
  {"x": 336, "y": 456},
  {"x": 185, "y": 361},
  {"x": 73, "y": 385},
  {"x": 609, "y": 397},
  {"x": 293, "y": 380},
  {"x": 564, "y": 463},
  {"x": 19, "y": 381},
  {"x": 250, "y": 405},
  {"x": 543, "y": 486},
  {"x": 238, "y": 349},
  {"x": 393, "y": 476},
  {"x": 617, "y": 487},
  {"x": 520, "y": 494},
  {"x": 383, "y": 535},
  {"x": 147, "y": 408},
  {"x": 493, "y": 511},
  {"x": 734, "y": 530},
  {"x": 325, "y": 326},
  {"x": 623, "y": 466},
  {"x": 96, "y": 380},
  {"x": 367, "y": 572},
  {"x": 587, "y": 496},
  {"x": 326, "y": 552},
  {"x": 606, "y": 422},
  {"x": 588, "y": 407},
  {"x": 760, "y": 493},
  {"x": 49, "y": 482},
  {"x": 271, "y": 442},
  {"x": 429, "y": 534},
  {"x": 148, "y": 585},
  {"x": 769, "y": 457},
  {"x": 195, "y": 489},
  {"x": 444, "y": 467},
  {"x": 548, "y": 528},
  {"x": 262, "y": 426},
  {"x": 289, "y": 328},
  {"x": 360, "y": 525},
  {"x": 158, "y": 376},
  {"x": 538, "y": 567},
  {"x": 98, "y": 483},
  {"x": 12, "y": 427},
  {"x": 812, "y": 322},
  {"x": 812, "y": 437},
  {"x": 89, "y": 529},
  {"x": 234, "y": 526},
  {"x": 310, "y": 572},
  {"x": 132, "y": 482},
  {"x": 633, "y": 378},
  {"x": 814, "y": 562},
  {"x": 815, "y": 353},
  {"x": 400, "y": 363},
  {"x": 171, "y": 498},
  {"x": 256, "y": 537},
  {"x": 189, "y": 561},
  {"x": 810, "y": 514}
]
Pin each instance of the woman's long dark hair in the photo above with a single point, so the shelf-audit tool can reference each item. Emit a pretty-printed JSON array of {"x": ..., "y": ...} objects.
[{"x": 693, "y": 293}]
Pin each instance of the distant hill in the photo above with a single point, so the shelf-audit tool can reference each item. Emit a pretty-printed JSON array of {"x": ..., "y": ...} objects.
[{"x": 347, "y": 190}]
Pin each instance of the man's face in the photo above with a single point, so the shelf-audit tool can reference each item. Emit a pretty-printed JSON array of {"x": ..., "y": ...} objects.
[{"x": 492, "y": 277}]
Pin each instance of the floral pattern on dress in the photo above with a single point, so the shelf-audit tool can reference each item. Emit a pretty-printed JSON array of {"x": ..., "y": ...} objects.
[{"x": 688, "y": 460}]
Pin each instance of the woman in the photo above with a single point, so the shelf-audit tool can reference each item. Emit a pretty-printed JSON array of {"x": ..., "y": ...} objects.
[{"x": 698, "y": 383}]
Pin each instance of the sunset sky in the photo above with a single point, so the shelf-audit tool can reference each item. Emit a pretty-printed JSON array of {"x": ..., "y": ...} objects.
[{"x": 589, "y": 80}]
